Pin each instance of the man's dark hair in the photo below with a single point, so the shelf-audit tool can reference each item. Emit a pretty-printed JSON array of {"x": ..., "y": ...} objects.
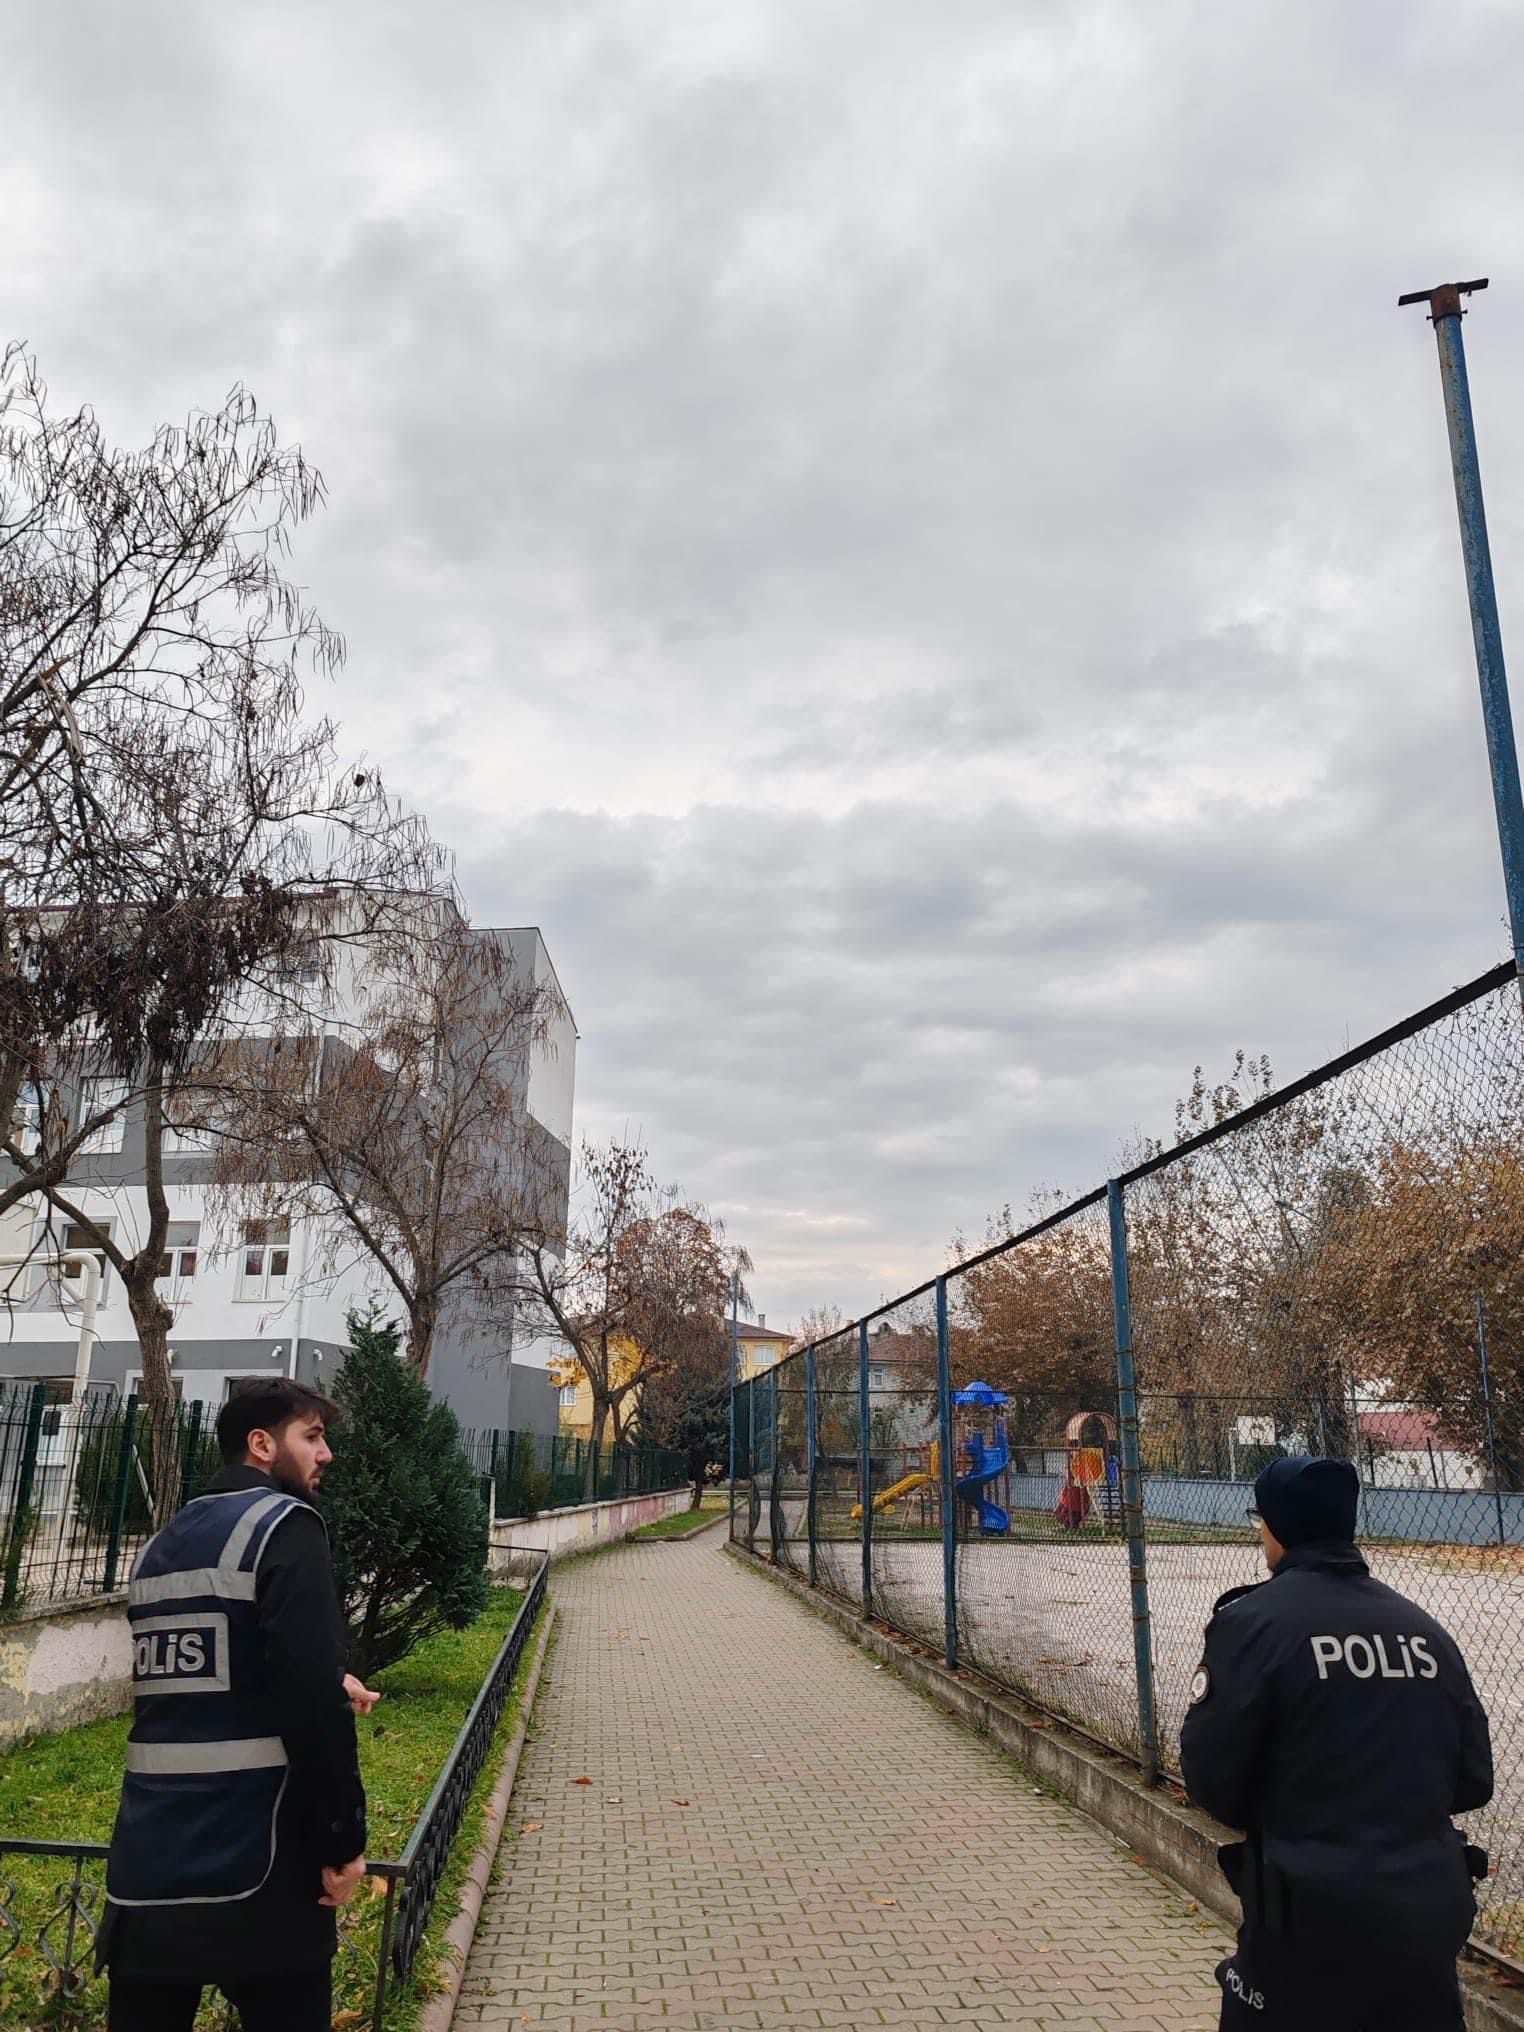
[{"x": 263, "y": 1404}]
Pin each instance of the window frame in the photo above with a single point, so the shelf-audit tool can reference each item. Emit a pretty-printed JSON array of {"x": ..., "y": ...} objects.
[
  {"x": 176, "y": 1277},
  {"x": 265, "y": 1284},
  {"x": 108, "y": 1139}
]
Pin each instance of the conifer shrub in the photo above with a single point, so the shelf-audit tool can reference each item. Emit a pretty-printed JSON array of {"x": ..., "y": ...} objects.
[{"x": 407, "y": 1520}]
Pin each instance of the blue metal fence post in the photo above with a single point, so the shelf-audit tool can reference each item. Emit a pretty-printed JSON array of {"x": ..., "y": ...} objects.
[
  {"x": 949, "y": 1514},
  {"x": 732, "y": 1462},
  {"x": 865, "y": 1466},
  {"x": 1132, "y": 1486},
  {"x": 1445, "y": 311},
  {"x": 751, "y": 1464},
  {"x": 809, "y": 1458},
  {"x": 735, "y": 1300}
]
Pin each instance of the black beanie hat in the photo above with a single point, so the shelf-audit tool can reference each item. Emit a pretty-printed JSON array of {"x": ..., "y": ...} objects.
[{"x": 1306, "y": 1501}]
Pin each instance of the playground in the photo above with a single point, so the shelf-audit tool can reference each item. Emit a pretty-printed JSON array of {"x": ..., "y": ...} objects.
[{"x": 1041, "y": 1581}]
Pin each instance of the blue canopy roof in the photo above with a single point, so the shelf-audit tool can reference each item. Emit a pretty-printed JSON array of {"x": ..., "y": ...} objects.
[{"x": 979, "y": 1393}]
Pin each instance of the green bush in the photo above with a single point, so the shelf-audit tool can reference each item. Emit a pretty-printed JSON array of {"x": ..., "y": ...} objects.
[
  {"x": 409, "y": 1525},
  {"x": 523, "y": 1486}
]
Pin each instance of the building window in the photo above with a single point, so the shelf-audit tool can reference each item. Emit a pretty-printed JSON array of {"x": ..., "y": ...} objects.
[
  {"x": 568, "y": 1396},
  {"x": 26, "y": 1123},
  {"x": 182, "y": 1137},
  {"x": 182, "y": 1248},
  {"x": 763, "y": 1358},
  {"x": 875, "y": 1379},
  {"x": 66, "y": 1281},
  {"x": 98, "y": 1095},
  {"x": 264, "y": 1259}
]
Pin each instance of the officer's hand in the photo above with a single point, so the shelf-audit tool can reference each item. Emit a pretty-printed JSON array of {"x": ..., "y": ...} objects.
[
  {"x": 339, "y": 1886},
  {"x": 360, "y": 1697}
]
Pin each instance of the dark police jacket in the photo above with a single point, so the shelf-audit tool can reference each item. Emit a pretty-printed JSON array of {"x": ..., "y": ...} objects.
[
  {"x": 1335, "y": 1722},
  {"x": 242, "y": 1771}
]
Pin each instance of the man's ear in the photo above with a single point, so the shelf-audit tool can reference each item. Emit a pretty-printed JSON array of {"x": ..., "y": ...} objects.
[{"x": 262, "y": 1447}]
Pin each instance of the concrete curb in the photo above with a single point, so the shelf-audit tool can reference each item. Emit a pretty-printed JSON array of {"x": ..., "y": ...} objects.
[
  {"x": 1156, "y": 1823},
  {"x": 438, "y": 2014}
]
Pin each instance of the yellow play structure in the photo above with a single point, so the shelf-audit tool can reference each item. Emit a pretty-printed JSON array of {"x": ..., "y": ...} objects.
[{"x": 907, "y": 1485}]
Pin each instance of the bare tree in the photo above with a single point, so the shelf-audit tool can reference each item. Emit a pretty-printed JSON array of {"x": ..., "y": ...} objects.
[
  {"x": 169, "y": 822},
  {"x": 144, "y": 609},
  {"x": 404, "y": 1128},
  {"x": 820, "y": 1323},
  {"x": 642, "y": 1273}
]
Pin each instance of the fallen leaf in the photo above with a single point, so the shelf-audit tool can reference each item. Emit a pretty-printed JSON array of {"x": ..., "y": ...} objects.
[
  {"x": 533, "y": 1827},
  {"x": 682, "y": 1802},
  {"x": 582, "y": 1781},
  {"x": 886, "y": 1901}
]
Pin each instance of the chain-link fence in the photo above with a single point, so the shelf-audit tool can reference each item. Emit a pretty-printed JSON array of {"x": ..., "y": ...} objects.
[{"x": 1041, "y": 1462}]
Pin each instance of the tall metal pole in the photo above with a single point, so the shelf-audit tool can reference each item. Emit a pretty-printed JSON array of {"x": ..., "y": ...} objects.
[
  {"x": 811, "y": 1422},
  {"x": 865, "y": 1466},
  {"x": 735, "y": 1300},
  {"x": 1446, "y": 313},
  {"x": 949, "y": 1515},
  {"x": 1492, "y": 1438},
  {"x": 1132, "y": 1485}
]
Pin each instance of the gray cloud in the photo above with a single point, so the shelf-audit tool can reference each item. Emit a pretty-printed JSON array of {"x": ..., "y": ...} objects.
[{"x": 915, "y": 543}]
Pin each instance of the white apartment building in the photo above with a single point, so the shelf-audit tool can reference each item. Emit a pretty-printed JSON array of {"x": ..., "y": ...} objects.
[{"x": 267, "y": 1295}]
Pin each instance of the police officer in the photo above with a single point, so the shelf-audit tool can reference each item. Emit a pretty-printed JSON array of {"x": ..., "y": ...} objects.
[
  {"x": 1336, "y": 1723},
  {"x": 242, "y": 1819}
]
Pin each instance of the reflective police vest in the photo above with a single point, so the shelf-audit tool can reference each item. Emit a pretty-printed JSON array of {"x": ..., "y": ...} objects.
[{"x": 206, "y": 1767}]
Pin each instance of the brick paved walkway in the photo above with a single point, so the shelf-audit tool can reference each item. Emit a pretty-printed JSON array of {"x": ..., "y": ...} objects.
[{"x": 776, "y": 1833}]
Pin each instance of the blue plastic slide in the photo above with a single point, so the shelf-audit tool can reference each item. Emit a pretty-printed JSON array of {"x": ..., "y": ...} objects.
[{"x": 984, "y": 1465}]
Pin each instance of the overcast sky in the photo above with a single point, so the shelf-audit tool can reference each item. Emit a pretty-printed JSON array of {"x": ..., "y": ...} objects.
[{"x": 911, "y": 539}]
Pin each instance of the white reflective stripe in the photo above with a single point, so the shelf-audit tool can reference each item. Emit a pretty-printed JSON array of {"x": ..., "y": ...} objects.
[
  {"x": 189, "y": 1583},
  {"x": 238, "y": 1538},
  {"x": 251, "y": 1753}
]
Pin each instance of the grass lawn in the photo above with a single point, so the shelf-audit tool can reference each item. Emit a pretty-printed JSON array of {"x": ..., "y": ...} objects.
[
  {"x": 680, "y": 1525},
  {"x": 64, "y": 1787}
]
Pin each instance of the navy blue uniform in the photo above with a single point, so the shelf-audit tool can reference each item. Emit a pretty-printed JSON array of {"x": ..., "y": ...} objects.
[
  {"x": 243, "y": 1774},
  {"x": 1336, "y": 1723}
]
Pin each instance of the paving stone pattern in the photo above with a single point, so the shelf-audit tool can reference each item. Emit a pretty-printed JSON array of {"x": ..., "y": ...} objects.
[{"x": 776, "y": 1833}]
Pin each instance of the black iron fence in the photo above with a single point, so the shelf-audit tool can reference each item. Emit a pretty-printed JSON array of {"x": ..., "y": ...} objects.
[
  {"x": 60, "y": 1929},
  {"x": 78, "y": 1485},
  {"x": 78, "y": 1482},
  {"x": 1040, "y": 1462},
  {"x": 533, "y": 1471}
]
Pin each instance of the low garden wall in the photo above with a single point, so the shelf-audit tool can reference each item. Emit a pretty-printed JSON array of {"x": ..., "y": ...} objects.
[
  {"x": 1418, "y": 1516},
  {"x": 581, "y": 1527},
  {"x": 61, "y": 1666}
]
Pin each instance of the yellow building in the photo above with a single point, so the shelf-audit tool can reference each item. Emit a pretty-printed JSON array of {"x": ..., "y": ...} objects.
[
  {"x": 577, "y": 1392},
  {"x": 760, "y": 1347}
]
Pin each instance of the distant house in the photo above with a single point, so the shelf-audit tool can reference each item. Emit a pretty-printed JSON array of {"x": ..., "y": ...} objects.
[
  {"x": 760, "y": 1347},
  {"x": 1405, "y": 1448}
]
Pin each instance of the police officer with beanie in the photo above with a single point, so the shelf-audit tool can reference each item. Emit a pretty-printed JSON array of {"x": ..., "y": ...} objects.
[
  {"x": 242, "y": 1820},
  {"x": 1336, "y": 1723}
]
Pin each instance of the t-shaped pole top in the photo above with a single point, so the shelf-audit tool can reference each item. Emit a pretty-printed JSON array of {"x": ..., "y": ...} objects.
[{"x": 1445, "y": 301}]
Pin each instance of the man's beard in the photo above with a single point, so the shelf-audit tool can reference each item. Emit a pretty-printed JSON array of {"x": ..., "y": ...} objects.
[{"x": 288, "y": 1476}]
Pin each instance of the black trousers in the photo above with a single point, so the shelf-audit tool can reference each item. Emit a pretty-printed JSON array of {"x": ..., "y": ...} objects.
[
  {"x": 300, "y": 2002},
  {"x": 1353, "y": 1986}
]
